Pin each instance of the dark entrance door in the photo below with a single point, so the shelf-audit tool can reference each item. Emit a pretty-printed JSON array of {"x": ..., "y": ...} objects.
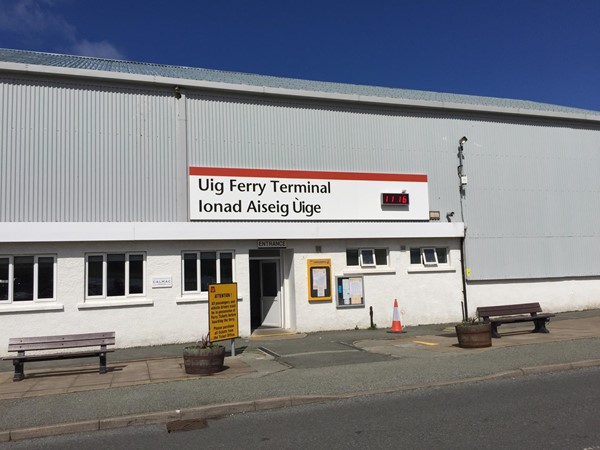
[{"x": 265, "y": 289}]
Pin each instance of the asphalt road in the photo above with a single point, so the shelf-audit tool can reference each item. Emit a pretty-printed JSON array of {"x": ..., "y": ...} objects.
[{"x": 560, "y": 410}]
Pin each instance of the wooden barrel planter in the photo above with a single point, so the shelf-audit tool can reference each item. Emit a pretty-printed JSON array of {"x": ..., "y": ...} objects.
[
  {"x": 203, "y": 361},
  {"x": 477, "y": 335}
]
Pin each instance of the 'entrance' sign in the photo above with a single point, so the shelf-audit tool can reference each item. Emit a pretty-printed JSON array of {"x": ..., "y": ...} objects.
[{"x": 271, "y": 244}]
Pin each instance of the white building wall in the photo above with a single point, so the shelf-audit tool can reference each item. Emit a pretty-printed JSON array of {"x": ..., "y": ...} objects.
[
  {"x": 164, "y": 315},
  {"x": 161, "y": 316},
  {"x": 424, "y": 296},
  {"x": 556, "y": 295}
]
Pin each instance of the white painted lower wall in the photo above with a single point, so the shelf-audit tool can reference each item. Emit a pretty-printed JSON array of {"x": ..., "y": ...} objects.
[
  {"x": 164, "y": 315},
  {"x": 161, "y": 316},
  {"x": 554, "y": 295},
  {"x": 425, "y": 296}
]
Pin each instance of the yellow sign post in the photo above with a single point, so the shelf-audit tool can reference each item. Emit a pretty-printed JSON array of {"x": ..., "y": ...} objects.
[{"x": 223, "y": 313}]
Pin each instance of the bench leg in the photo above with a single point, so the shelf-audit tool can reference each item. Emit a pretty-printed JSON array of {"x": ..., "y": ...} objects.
[
  {"x": 19, "y": 370},
  {"x": 540, "y": 326},
  {"x": 495, "y": 330},
  {"x": 102, "y": 362}
]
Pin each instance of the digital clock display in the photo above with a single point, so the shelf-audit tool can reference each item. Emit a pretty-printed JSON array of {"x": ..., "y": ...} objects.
[{"x": 395, "y": 199}]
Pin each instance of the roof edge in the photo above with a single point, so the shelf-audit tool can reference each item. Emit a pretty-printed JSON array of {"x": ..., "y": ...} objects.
[{"x": 287, "y": 92}]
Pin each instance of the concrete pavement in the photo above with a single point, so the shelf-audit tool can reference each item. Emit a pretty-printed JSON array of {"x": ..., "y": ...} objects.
[{"x": 149, "y": 384}]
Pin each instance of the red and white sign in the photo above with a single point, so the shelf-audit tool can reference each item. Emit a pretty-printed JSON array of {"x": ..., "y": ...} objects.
[{"x": 254, "y": 194}]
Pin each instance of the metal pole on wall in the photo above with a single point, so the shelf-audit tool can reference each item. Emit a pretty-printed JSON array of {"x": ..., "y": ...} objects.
[
  {"x": 462, "y": 183},
  {"x": 464, "y": 276}
]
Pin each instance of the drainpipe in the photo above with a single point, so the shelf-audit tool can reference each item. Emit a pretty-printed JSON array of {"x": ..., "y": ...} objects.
[
  {"x": 464, "y": 276},
  {"x": 462, "y": 183}
]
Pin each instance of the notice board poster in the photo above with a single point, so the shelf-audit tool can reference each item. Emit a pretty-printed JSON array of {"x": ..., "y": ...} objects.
[
  {"x": 350, "y": 292},
  {"x": 223, "y": 311},
  {"x": 319, "y": 280}
]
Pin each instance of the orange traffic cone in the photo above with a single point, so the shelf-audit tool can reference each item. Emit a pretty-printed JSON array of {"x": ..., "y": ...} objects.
[{"x": 396, "y": 325}]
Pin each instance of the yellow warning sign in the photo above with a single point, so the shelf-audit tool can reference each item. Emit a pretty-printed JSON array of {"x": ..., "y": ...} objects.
[{"x": 223, "y": 311}]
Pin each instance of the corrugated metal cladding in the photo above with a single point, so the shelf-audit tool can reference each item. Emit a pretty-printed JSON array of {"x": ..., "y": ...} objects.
[
  {"x": 96, "y": 151},
  {"x": 533, "y": 194},
  {"x": 245, "y": 132},
  {"x": 532, "y": 204},
  {"x": 81, "y": 152},
  {"x": 532, "y": 258},
  {"x": 250, "y": 79}
]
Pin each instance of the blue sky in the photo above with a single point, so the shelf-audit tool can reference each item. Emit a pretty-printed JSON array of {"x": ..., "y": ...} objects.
[{"x": 540, "y": 50}]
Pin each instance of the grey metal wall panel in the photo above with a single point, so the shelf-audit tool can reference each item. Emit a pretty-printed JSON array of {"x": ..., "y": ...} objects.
[
  {"x": 245, "y": 132},
  {"x": 75, "y": 151},
  {"x": 81, "y": 152},
  {"x": 532, "y": 257},
  {"x": 533, "y": 200},
  {"x": 533, "y": 186}
]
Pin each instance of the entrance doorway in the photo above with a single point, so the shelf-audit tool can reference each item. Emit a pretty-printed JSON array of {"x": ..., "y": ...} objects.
[{"x": 266, "y": 302}]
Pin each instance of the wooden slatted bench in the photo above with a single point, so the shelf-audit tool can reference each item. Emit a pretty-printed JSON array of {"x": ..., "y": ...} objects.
[
  {"x": 524, "y": 312},
  {"x": 62, "y": 342}
]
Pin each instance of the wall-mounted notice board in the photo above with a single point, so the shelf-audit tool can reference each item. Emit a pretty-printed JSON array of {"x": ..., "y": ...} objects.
[
  {"x": 350, "y": 292},
  {"x": 319, "y": 280}
]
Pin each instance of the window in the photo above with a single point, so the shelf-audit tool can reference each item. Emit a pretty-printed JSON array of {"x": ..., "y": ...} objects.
[
  {"x": 203, "y": 268},
  {"x": 367, "y": 257},
  {"x": 27, "y": 278},
  {"x": 115, "y": 275},
  {"x": 429, "y": 256}
]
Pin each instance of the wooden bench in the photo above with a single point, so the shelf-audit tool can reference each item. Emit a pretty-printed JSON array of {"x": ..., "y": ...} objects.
[
  {"x": 67, "y": 341},
  {"x": 497, "y": 315}
]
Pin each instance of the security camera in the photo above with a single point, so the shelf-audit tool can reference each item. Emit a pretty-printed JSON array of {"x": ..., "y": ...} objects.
[{"x": 463, "y": 140}]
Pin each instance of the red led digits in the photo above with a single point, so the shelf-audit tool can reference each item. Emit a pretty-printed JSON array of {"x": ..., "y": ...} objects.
[{"x": 395, "y": 199}]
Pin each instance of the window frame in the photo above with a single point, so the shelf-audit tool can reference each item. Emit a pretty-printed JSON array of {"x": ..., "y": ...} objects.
[
  {"x": 426, "y": 254},
  {"x": 36, "y": 282},
  {"x": 198, "y": 261},
  {"x": 127, "y": 294},
  {"x": 373, "y": 250},
  {"x": 361, "y": 257},
  {"x": 428, "y": 262}
]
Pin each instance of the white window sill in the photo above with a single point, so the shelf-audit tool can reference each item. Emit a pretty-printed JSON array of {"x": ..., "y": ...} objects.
[
  {"x": 438, "y": 269},
  {"x": 191, "y": 299},
  {"x": 98, "y": 304},
  {"x": 362, "y": 305},
  {"x": 368, "y": 271},
  {"x": 30, "y": 307}
]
